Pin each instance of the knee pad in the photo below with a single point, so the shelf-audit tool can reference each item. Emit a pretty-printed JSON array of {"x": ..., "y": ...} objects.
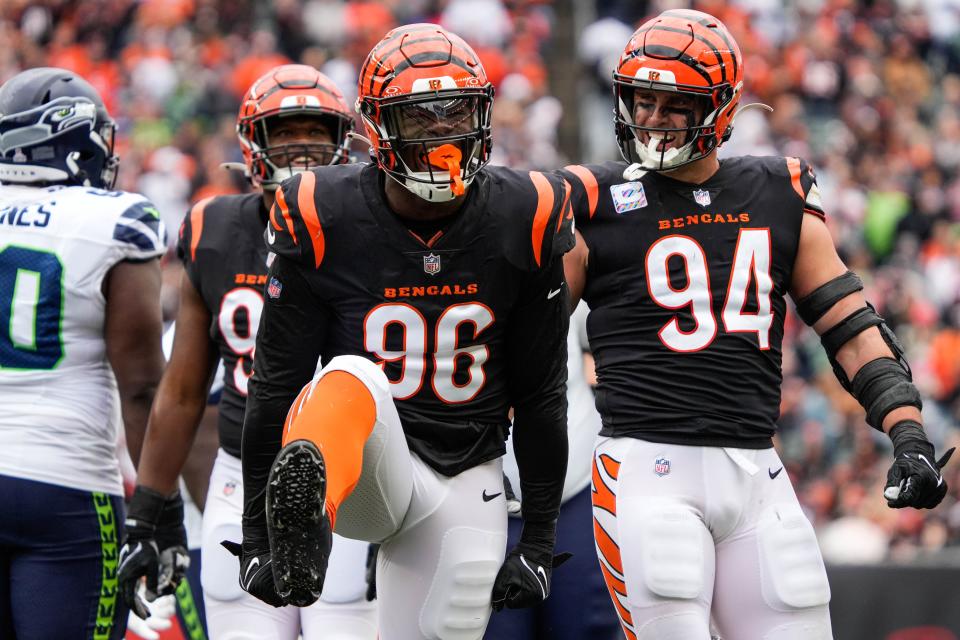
[
  {"x": 219, "y": 570},
  {"x": 676, "y": 626},
  {"x": 792, "y": 575},
  {"x": 671, "y": 547},
  {"x": 457, "y": 606},
  {"x": 809, "y": 630}
]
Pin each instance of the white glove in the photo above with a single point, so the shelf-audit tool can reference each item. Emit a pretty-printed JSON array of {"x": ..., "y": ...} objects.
[{"x": 161, "y": 611}]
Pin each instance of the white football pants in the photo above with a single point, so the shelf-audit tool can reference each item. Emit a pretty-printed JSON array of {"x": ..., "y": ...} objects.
[
  {"x": 684, "y": 532},
  {"x": 443, "y": 539}
]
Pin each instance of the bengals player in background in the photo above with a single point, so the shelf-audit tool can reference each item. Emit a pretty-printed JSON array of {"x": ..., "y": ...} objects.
[
  {"x": 686, "y": 262},
  {"x": 291, "y": 119},
  {"x": 432, "y": 286}
]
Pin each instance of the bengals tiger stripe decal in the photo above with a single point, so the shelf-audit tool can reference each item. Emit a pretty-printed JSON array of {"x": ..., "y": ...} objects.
[
  {"x": 590, "y": 185},
  {"x": 604, "y": 479}
]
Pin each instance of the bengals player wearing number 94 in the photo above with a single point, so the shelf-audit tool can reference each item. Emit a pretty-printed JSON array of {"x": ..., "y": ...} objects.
[{"x": 685, "y": 262}]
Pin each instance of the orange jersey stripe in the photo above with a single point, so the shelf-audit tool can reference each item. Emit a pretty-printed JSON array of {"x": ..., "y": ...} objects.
[
  {"x": 308, "y": 210},
  {"x": 589, "y": 183},
  {"x": 542, "y": 216},
  {"x": 196, "y": 225},
  {"x": 793, "y": 164},
  {"x": 814, "y": 212},
  {"x": 281, "y": 204}
]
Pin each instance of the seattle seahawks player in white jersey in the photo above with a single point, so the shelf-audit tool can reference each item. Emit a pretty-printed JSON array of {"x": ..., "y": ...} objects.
[{"x": 80, "y": 326}]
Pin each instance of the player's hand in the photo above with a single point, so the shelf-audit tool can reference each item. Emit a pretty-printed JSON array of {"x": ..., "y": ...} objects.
[
  {"x": 524, "y": 578},
  {"x": 161, "y": 611},
  {"x": 372, "y": 552},
  {"x": 256, "y": 573},
  {"x": 154, "y": 547},
  {"x": 914, "y": 479}
]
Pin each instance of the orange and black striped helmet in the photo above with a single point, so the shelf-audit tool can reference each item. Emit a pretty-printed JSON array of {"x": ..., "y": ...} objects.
[
  {"x": 291, "y": 90},
  {"x": 687, "y": 52},
  {"x": 425, "y": 102}
]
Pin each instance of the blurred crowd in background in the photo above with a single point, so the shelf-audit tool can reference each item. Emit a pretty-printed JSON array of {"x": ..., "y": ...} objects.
[{"x": 866, "y": 91}]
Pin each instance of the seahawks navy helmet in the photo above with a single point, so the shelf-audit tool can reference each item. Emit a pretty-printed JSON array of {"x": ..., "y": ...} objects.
[{"x": 54, "y": 129}]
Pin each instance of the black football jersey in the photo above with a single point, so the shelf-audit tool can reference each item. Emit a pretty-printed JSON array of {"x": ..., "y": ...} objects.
[
  {"x": 686, "y": 287},
  {"x": 221, "y": 246},
  {"x": 464, "y": 324}
]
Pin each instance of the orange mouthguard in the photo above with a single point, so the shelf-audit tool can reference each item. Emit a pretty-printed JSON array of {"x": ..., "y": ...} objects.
[{"x": 448, "y": 157}]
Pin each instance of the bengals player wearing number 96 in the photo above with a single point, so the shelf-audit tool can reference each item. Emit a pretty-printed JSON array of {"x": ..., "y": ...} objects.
[
  {"x": 685, "y": 261},
  {"x": 432, "y": 286},
  {"x": 291, "y": 119}
]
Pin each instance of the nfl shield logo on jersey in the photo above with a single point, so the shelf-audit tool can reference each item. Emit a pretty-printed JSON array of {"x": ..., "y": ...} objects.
[
  {"x": 274, "y": 288},
  {"x": 431, "y": 265},
  {"x": 661, "y": 466},
  {"x": 702, "y": 196}
]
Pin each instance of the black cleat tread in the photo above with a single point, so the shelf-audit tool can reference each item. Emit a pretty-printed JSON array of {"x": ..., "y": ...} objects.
[{"x": 297, "y": 523}]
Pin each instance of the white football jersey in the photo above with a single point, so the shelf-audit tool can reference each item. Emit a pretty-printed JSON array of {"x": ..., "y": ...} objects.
[{"x": 59, "y": 408}]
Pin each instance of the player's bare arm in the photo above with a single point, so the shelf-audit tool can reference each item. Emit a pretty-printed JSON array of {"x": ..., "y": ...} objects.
[
  {"x": 181, "y": 397},
  {"x": 869, "y": 362},
  {"x": 132, "y": 330}
]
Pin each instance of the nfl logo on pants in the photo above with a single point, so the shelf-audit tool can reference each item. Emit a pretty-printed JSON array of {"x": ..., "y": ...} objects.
[{"x": 661, "y": 466}]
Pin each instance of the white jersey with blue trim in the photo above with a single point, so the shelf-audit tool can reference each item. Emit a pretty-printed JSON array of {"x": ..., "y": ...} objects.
[{"x": 59, "y": 407}]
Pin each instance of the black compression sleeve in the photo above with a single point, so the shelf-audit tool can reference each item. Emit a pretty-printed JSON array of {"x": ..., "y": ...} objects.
[
  {"x": 537, "y": 344},
  {"x": 289, "y": 341}
]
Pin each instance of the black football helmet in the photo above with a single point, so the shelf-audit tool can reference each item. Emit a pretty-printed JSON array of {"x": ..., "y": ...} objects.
[{"x": 54, "y": 129}]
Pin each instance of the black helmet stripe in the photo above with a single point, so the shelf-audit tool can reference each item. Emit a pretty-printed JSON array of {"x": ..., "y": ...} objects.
[
  {"x": 699, "y": 38},
  {"x": 670, "y": 53}
]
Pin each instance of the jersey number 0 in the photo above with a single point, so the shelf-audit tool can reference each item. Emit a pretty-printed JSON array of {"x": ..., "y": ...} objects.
[{"x": 31, "y": 308}]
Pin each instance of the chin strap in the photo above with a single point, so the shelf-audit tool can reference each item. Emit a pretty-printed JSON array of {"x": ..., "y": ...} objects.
[
  {"x": 358, "y": 136},
  {"x": 634, "y": 172}
]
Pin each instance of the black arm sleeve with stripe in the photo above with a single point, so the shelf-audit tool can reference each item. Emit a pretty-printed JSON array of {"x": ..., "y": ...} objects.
[
  {"x": 289, "y": 342},
  {"x": 537, "y": 344}
]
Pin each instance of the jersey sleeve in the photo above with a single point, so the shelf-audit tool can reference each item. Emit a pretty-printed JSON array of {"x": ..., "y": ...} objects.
[
  {"x": 294, "y": 230},
  {"x": 804, "y": 182},
  {"x": 139, "y": 233},
  {"x": 292, "y": 330},
  {"x": 584, "y": 191},
  {"x": 551, "y": 230},
  {"x": 537, "y": 374},
  {"x": 188, "y": 241}
]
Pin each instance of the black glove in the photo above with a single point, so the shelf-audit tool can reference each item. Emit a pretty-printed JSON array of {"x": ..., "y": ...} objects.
[
  {"x": 154, "y": 546},
  {"x": 372, "y": 552},
  {"x": 914, "y": 479},
  {"x": 524, "y": 577},
  {"x": 256, "y": 570}
]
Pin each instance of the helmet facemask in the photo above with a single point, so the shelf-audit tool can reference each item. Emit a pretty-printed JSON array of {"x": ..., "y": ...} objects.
[
  {"x": 700, "y": 137},
  {"x": 274, "y": 162},
  {"x": 433, "y": 143}
]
